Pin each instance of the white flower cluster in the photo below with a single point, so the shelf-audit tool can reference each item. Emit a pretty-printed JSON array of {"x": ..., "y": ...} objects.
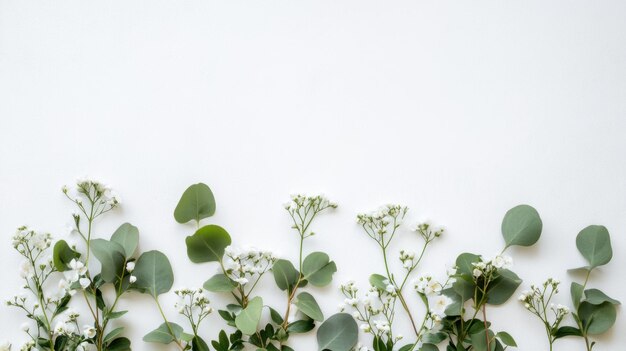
[
  {"x": 243, "y": 264},
  {"x": 76, "y": 273},
  {"x": 95, "y": 191},
  {"x": 193, "y": 303},
  {"x": 488, "y": 267},
  {"x": 437, "y": 303},
  {"x": 26, "y": 240},
  {"x": 375, "y": 310},
  {"x": 537, "y": 300},
  {"x": 381, "y": 218},
  {"x": 408, "y": 259},
  {"x": 427, "y": 285},
  {"x": 308, "y": 202},
  {"x": 428, "y": 233}
]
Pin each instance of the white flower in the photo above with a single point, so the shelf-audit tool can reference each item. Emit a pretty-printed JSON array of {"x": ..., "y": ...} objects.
[
  {"x": 89, "y": 331},
  {"x": 132, "y": 279},
  {"x": 502, "y": 261},
  {"x": 25, "y": 326},
  {"x": 26, "y": 270},
  {"x": 77, "y": 269},
  {"x": 477, "y": 272},
  {"x": 439, "y": 304},
  {"x": 130, "y": 266},
  {"x": 84, "y": 282}
]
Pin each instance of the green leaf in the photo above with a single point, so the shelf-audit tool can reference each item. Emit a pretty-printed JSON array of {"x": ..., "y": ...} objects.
[
  {"x": 503, "y": 287},
  {"x": 219, "y": 283},
  {"x": 197, "y": 344},
  {"x": 248, "y": 320},
  {"x": 62, "y": 255},
  {"x": 379, "y": 281},
  {"x": 196, "y": 203},
  {"x": 276, "y": 317},
  {"x": 318, "y": 269},
  {"x": 566, "y": 331},
  {"x": 506, "y": 339},
  {"x": 428, "y": 347},
  {"x": 338, "y": 333},
  {"x": 119, "y": 344},
  {"x": 285, "y": 275},
  {"x": 111, "y": 256},
  {"x": 113, "y": 334},
  {"x": 576, "y": 291},
  {"x": 479, "y": 341},
  {"x": 521, "y": 226},
  {"x": 594, "y": 243},
  {"x": 597, "y": 319},
  {"x": 301, "y": 326},
  {"x": 464, "y": 263},
  {"x": 162, "y": 334},
  {"x": 127, "y": 235},
  {"x": 306, "y": 304},
  {"x": 154, "y": 273},
  {"x": 207, "y": 244},
  {"x": 597, "y": 297}
]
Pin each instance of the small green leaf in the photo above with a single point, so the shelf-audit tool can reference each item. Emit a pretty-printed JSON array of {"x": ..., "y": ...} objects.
[
  {"x": 197, "y": 344},
  {"x": 197, "y": 202},
  {"x": 154, "y": 273},
  {"x": 465, "y": 262},
  {"x": 379, "y": 281},
  {"x": 506, "y": 339},
  {"x": 479, "y": 341},
  {"x": 318, "y": 269},
  {"x": 285, "y": 275},
  {"x": 503, "y": 287},
  {"x": 162, "y": 334},
  {"x": 248, "y": 320},
  {"x": 113, "y": 334},
  {"x": 119, "y": 344},
  {"x": 597, "y": 297},
  {"x": 207, "y": 244},
  {"x": 306, "y": 304},
  {"x": 219, "y": 283},
  {"x": 566, "y": 331},
  {"x": 428, "y": 347},
  {"x": 127, "y": 235},
  {"x": 338, "y": 333},
  {"x": 576, "y": 291},
  {"x": 111, "y": 256},
  {"x": 594, "y": 243},
  {"x": 62, "y": 255},
  {"x": 301, "y": 326},
  {"x": 521, "y": 226},
  {"x": 597, "y": 319}
]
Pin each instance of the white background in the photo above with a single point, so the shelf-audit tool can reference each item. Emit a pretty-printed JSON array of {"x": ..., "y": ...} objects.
[{"x": 459, "y": 110}]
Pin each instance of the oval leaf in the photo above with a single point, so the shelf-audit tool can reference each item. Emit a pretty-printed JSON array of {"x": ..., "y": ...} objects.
[
  {"x": 503, "y": 287},
  {"x": 318, "y": 269},
  {"x": 596, "y": 297},
  {"x": 163, "y": 334},
  {"x": 127, "y": 235},
  {"x": 594, "y": 243},
  {"x": 597, "y": 319},
  {"x": 111, "y": 256},
  {"x": 207, "y": 244},
  {"x": 154, "y": 273},
  {"x": 219, "y": 283},
  {"x": 62, "y": 255},
  {"x": 306, "y": 304},
  {"x": 196, "y": 203},
  {"x": 521, "y": 226},
  {"x": 379, "y": 281},
  {"x": 338, "y": 333},
  {"x": 248, "y": 320},
  {"x": 285, "y": 275}
]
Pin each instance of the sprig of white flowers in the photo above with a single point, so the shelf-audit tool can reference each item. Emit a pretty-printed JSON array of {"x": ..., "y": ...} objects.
[
  {"x": 194, "y": 305},
  {"x": 538, "y": 300}
]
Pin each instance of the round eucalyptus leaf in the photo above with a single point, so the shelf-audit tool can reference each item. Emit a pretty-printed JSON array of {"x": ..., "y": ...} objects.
[
  {"x": 154, "y": 273},
  {"x": 521, "y": 226},
  {"x": 503, "y": 287},
  {"x": 506, "y": 339},
  {"x": 464, "y": 263},
  {"x": 594, "y": 243},
  {"x": 162, "y": 334},
  {"x": 207, "y": 244},
  {"x": 318, "y": 269},
  {"x": 306, "y": 304},
  {"x": 479, "y": 341},
  {"x": 127, "y": 235},
  {"x": 338, "y": 333},
  {"x": 597, "y": 319},
  {"x": 111, "y": 256},
  {"x": 196, "y": 203},
  {"x": 379, "y": 281},
  {"x": 285, "y": 275},
  {"x": 248, "y": 320},
  {"x": 219, "y": 283},
  {"x": 596, "y": 297},
  {"x": 62, "y": 255}
]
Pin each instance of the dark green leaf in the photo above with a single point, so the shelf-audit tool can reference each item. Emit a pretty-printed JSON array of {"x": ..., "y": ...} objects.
[
  {"x": 197, "y": 202},
  {"x": 62, "y": 255},
  {"x": 207, "y": 244},
  {"x": 521, "y": 226}
]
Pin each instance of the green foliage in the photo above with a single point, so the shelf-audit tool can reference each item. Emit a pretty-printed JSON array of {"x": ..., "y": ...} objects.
[
  {"x": 503, "y": 287},
  {"x": 207, "y": 244},
  {"x": 219, "y": 283},
  {"x": 306, "y": 304},
  {"x": 62, "y": 255},
  {"x": 196, "y": 203},
  {"x": 285, "y": 275},
  {"x": 248, "y": 320},
  {"x": 521, "y": 226},
  {"x": 318, "y": 269},
  {"x": 594, "y": 243},
  {"x": 338, "y": 333},
  {"x": 164, "y": 334},
  {"x": 127, "y": 235},
  {"x": 111, "y": 256},
  {"x": 597, "y": 319},
  {"x": 154, "y": 273}
]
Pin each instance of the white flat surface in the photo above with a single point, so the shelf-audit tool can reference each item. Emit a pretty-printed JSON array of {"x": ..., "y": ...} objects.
[{"x": 459, "y": 110}]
